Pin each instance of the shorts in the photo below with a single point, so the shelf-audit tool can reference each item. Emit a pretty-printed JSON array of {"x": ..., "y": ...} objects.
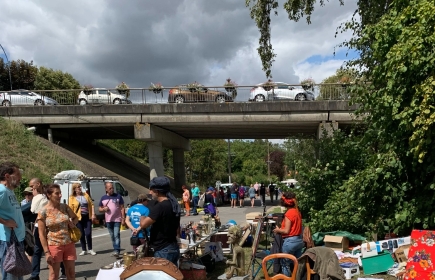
[
  {"x": 62, "y": 253},
  {"x": 252, "y": 196},
  {"x": 233, "y": 196}
]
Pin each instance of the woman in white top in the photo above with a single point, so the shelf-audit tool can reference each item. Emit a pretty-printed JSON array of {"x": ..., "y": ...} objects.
[{"x": 38, "y": 202}]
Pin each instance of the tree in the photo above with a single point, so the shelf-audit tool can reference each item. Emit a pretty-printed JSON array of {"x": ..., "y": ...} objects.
[
  {"x": 367, "y": 13},
  {"x": 206, "y": 162},
  {"x": 49, "y": 79},
  {"x": 23, "y": 75},
  {"x": 277, "y": 164},
  {"x": 344, "y": 77}
]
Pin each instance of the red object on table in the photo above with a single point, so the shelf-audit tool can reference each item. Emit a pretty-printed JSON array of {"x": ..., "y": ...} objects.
[{"x": 421, "y": 256}]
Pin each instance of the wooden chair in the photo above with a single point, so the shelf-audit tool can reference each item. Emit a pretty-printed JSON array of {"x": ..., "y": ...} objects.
[
  {"x": 310, "y": 271},
  {"x": 279, "y": 276}
]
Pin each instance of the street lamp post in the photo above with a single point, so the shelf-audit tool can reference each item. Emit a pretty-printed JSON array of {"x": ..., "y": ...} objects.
[
  {"x": 9, "y": 66},
  {"x": 229, "y": 161}
]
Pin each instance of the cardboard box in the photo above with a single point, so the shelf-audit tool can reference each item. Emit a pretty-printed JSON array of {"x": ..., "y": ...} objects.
[
  {"x": 350, "y": 269},
  {"x": 336, "y": 243},
  {"x": 402, "y": 253}
]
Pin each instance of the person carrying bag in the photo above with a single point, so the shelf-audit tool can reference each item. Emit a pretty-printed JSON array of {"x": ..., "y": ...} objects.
[{"x": 16, "y": 261}]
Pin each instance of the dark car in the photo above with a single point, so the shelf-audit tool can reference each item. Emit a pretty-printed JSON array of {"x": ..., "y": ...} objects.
[{"x": 199, "y": 93}]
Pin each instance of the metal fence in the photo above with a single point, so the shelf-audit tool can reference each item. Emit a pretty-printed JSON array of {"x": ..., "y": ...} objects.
[{"x": 178, "y": 94}]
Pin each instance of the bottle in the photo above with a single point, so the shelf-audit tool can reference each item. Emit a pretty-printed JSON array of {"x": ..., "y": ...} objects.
[{"x": 183, "y": 232}]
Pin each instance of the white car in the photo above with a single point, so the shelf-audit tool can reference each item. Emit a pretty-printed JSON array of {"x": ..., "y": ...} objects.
[
  {"x": 24, "y": 97},
  {"x": 280, "y": 91},
  {"x": 102, "y": 95}
]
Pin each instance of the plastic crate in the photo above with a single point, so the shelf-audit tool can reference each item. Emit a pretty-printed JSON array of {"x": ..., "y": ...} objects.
[{"x": 377, "y": 264}]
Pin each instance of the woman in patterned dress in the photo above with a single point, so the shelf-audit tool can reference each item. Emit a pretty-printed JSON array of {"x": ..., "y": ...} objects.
[{"x": 54, "y": 220}]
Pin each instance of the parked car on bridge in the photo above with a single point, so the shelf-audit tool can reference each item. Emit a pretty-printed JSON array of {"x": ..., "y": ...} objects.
[
  {"x": 279, "y": 92},
  {"x": 102, "y": 95},
  {"x": 182, "y": 94},
  {"x": 24, "y": 97}
]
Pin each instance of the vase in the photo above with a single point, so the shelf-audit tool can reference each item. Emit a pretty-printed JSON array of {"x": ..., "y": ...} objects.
[
  {"x": 267, "y": 88},
  {"x": 230, "y": 89},
  {"x": 122, "y": 91},
  {"x": 157, "y": 90},
  {"x": 87, "y": 91}
]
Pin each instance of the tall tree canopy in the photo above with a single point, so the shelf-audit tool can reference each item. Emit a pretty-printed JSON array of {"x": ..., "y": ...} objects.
[
  {"x": 49, "y": 79},
  {"x": 23, "y": 74},
  {"x": 367, "y": 12}
]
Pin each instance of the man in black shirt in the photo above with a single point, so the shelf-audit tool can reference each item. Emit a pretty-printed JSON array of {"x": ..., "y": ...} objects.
[
  {"x": 271, "y": 191},
  {"x": 165, "y": 220},
  {"x": 262, "y": 190}
]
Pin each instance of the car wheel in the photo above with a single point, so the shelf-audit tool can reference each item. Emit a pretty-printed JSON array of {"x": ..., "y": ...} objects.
[
  {"x": 259, "y": 98},
  {"x": 6, "y": 103},
  {"x": 83, "y": 102},
  {"x": 179, "y": 99},
  {"x": 220, "y": 99},
  {"x": 39, "y": 102},
  {"x": 116, "y": 101},
  {"x": 300, "y": 97}
]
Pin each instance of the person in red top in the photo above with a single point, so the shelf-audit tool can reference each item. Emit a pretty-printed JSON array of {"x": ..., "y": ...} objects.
[{"x": 291, "y": 230}]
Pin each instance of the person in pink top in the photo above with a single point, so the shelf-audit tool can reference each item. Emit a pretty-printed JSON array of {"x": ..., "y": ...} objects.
[{"x": 112, "y": 205}]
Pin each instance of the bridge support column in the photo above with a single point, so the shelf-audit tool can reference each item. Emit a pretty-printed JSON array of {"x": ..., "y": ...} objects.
[
  {"x": 326, "y": 129},
  {"x": 155, "y": 157},
  {"x": 179, "y": 168},
  {"x": 50, "y": 135}
]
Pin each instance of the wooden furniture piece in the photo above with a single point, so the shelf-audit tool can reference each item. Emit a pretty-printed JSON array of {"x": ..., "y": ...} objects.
[
  {"x": 279, "y": 276},
  {"x": 310, "y": 271},
  {"x": 151, "y": 265}
]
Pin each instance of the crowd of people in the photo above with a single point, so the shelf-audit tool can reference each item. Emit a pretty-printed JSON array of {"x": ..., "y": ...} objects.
[{"x": 153, "y": 218}]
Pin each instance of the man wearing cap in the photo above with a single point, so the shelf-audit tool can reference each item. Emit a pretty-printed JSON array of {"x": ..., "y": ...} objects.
[
  {"x": 134, "y": 214},
  {"x": 28, "y": 194},
  {"x": 165, "y": 220}
]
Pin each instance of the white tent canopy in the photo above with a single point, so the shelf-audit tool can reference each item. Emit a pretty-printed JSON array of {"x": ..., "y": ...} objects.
[{"x": 289, "y": 181}]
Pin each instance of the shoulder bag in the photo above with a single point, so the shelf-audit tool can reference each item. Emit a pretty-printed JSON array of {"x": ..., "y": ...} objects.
[
  {"x": 201, "y": 200},
  {"x": 16, "y": 261},
  {"x": 135, "y": 240},
  {"x": 74, "y": 233}
]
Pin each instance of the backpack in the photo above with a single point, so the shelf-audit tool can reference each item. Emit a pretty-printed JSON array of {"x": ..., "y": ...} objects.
[
  {"x": 241, "y": 192},
  {"x": 307, "y": 238}
]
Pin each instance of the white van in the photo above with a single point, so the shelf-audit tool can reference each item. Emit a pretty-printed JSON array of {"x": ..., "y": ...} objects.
[{"x": 93, "y": 186}]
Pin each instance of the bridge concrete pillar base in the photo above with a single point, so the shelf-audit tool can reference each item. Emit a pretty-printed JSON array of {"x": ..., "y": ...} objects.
[
  {"x": 179, "y": 168},
  {"x": 326, "y": 129},
  {"x": 155, "y": 157},
  {"x": 50, "y": 135}
]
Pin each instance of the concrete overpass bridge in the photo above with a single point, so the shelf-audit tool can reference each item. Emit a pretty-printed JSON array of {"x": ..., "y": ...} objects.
[{"x": 172, "y": 125}]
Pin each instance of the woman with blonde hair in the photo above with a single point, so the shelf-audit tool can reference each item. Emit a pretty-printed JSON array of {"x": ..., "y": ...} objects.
[
  {"x": 54, "y": 221},
  {"x": 82, "y": 206},
  {"x": 291, "y": 230}
]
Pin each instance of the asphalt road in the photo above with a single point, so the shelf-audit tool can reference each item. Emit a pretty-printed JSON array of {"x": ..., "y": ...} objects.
[{"x": 88, "y": 266}]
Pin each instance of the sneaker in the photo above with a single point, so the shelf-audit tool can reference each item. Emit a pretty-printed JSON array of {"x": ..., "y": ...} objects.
[
  {"x": 91, "y": 252},
  {"x": 115, "y": 254},
  {"x": 82, "y": 253},
  {"x": 62, "y": 277}
]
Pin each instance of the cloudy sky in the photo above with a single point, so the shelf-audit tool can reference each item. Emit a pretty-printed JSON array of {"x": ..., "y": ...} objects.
[{"x": 104, "y": 42}]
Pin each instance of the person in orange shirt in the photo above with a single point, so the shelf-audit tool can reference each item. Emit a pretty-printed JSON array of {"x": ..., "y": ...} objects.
[
  {"x": 186, "y": 199},
  {"x": 291, "y": 230}
]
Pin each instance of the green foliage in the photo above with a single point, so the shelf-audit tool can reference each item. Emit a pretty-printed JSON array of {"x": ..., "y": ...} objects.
[
  {"x": 33, "y": 156},
  {"x": 49, "y": 79},
  {"x": 337, "y": 86},
  {"x": 206, "y": 162},
  {"x": 23, "y": 74}
]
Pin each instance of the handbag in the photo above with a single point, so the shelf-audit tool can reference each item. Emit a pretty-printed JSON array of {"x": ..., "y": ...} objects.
[
  {"x": 201, "y": 201},
  {"x": 135, "y": 240},
  {"x": 16, "y": 261},
  {"x": 74, "y": 233}
]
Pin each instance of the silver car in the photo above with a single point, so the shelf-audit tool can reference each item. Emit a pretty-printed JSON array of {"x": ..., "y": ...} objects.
[
  {"x": 279, "y": 92},
  {"x": 22, "y": 97}
]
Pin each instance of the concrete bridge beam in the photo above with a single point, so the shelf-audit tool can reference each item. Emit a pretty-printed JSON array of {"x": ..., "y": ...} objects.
[
  {"x": 326, "y": 129},
  {"x": 151, "y": 133}
]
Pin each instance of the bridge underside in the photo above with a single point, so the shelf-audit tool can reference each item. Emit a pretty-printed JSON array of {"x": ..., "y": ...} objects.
[{"x": 199, "y": 131}]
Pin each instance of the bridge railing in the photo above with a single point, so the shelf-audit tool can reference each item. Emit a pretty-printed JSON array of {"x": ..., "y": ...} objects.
[{"x": 183, "y": 94}]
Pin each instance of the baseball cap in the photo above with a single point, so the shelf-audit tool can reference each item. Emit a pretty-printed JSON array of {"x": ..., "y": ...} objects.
[{"x": 28, "y": 190}]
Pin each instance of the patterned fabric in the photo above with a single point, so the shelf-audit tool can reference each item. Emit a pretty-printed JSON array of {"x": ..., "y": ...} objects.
[
  {"x": 421, "y": 255},
  {"x": 56, "y": 223}
]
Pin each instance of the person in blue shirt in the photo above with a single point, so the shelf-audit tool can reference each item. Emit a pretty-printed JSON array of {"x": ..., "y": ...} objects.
[
  {"x": 10, "y": 212},
  {"x": 134, "y": 214},
  {"x": 195, "y": 197}
]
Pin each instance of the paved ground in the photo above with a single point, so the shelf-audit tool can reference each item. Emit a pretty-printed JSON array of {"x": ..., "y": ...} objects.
[{"x": 87, "y": 266}]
